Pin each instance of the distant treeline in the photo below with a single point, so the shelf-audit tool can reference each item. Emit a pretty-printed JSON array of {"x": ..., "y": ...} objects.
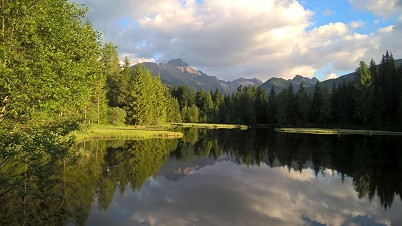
[{"x": 373, "y": 100}]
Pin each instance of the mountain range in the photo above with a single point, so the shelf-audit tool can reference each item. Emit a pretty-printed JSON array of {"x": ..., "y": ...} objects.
[{"x": 176, "y": 72}]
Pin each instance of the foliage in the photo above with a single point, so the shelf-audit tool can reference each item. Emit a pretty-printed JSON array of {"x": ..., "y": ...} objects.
[
  {"x": 50, "y": 78},
  {"x": 117, "y": 116},
  {"x": 149, "y": 102},
  {"x": 62, "y": 192},
  {"x": 373, "y": 99}
]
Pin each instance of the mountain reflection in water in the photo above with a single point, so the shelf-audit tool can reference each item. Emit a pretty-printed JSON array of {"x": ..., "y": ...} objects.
[{"x": 218, "y": 177}]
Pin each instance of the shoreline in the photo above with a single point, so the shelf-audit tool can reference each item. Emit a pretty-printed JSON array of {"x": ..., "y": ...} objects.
[
  {"x": 320, "y": 131},
  {"x": 99, "y": 132}
]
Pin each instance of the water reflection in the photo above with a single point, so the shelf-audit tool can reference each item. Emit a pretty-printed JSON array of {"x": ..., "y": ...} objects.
[
  {"x": 63, "y": 191},
  {"x": 218, "y": 177}
]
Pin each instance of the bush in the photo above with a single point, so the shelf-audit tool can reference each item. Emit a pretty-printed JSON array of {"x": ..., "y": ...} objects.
[{"x": 117, "y": 116}]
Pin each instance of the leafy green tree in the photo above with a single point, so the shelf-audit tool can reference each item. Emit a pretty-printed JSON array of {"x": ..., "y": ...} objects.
[
  {"x": 96, "y": 108},
  {"x": 47, "y": 58},
  {"x": 49, "y": 71}
]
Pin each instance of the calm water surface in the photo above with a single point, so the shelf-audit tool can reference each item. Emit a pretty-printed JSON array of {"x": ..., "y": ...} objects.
[{"x": 224, "y": 177}]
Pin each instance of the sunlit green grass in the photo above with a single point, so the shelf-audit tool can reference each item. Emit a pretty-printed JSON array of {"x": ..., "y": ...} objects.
[
  {"x": 209, "y": 126},
  {"x": 123, "y": 132},
  {"x": 337, "y": 131}
]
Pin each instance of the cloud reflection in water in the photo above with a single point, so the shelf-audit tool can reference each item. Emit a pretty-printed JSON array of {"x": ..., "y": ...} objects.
[{"x": 229, "y": 194}]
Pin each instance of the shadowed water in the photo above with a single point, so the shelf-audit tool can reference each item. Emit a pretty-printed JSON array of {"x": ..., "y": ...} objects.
[{"x": 218, "y": 177}]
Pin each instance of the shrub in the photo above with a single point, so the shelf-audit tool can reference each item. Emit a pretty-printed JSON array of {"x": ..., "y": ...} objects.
[{"x": 117, "y": 116}]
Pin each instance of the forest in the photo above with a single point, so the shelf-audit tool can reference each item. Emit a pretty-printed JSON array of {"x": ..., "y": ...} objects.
[
  {"x": 372, "y": 100},
  {"x": 57, "y": 76}
]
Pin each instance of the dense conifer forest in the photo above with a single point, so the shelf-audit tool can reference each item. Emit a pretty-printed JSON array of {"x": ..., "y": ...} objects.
[{"x": 372, "y": 100}]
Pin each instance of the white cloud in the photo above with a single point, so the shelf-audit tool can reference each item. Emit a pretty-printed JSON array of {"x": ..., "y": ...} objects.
[
  {"x": 330, "y": 76},
  {"x": 229, "y": 39},
  {"x": 357, "y": 24},
  {"x": 383, "y": 8},
  {"x": 245, "y": 195}
]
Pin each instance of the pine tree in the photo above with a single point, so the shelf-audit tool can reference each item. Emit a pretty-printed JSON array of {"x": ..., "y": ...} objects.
[
  {"x": 363, "y": 93},
  {"x": 272, "y": 107},
  {"x": 320, "y": 105},
  {"x": 346, "y": 103},
  {"x": 124, "y": 83},
  {"x": 194, "y": 113},
  {"x": 173, "y": 110},
  {"x": 282, "y": 107},
  {"x": 373, "y": 72},
  {"x": 388, "y": 81},
  {"x": 111, "y": 68},
  {"x": 218, "y": 103},
  {"x": 303, "y": 103},
  {"x": 291, "y": 106},
  {"x": 139, "y": 111},
  {"x": 203, "y": 101},
  {"x": 159, "y": 96},
  {"x": 247, "y": 104},
  {"x": 261, "y": 105}
]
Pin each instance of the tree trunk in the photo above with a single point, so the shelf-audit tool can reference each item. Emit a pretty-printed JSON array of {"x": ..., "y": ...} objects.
[
  {"x": 98, "y": 95},
  {"x": 3, "y": 21}
]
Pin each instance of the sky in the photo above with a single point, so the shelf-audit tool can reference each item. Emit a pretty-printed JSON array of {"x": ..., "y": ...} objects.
[{"x": 252, "y": 38}]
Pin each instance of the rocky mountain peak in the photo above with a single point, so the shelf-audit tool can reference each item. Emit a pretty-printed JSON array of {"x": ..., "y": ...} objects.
[
  {"x": 178, "y": 63},
  {"x": 307, "y": 81}
]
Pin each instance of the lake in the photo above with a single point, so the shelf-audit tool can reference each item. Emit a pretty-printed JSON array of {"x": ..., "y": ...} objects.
[{"x": 216, "y": 177}]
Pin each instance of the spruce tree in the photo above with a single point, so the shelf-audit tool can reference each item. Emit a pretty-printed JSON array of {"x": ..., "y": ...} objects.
[
  {"x": 363, "y": 93},
  {"x": 291, "y": 106},
  {"x": 303, "y": 103},
  {"x": 111, "y": 68},
  {"x": 389, "y": 84},
  {"x": 139, "y": 111},
  {"x": 272, "y": 106},
  {"x": 261, "y": 105}
]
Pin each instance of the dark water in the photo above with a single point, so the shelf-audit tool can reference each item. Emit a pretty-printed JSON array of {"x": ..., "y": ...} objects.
[{"x": 218, "y": 177}]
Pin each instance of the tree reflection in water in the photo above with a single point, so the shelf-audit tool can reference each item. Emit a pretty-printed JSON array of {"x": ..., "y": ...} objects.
[{"x": 63, "y": 190}]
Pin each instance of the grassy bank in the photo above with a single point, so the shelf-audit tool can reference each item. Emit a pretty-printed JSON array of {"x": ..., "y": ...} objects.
[
  {"x": 209, "y": 126},
  {"x": 123, "y": 132},
  {"x": 337, "y": 131}
]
